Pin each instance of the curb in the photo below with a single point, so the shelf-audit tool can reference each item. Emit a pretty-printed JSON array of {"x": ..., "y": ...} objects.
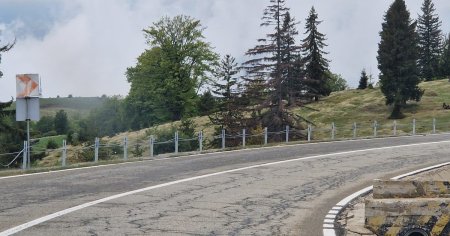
[{"x": 330, "y": 219}]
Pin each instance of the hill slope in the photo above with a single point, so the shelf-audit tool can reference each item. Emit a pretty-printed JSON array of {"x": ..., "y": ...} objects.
[{"x": 366, "y": 106}]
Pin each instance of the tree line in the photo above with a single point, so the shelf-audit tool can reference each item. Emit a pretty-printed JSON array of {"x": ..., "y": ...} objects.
[{"x": 180, "y": 76}]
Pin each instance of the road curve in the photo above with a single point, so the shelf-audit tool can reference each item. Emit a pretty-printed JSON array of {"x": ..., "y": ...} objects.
[{"x": 284, "y": 198}]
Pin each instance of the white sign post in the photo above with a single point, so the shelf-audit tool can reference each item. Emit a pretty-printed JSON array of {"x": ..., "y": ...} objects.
[{"x": 27, "y": 103}]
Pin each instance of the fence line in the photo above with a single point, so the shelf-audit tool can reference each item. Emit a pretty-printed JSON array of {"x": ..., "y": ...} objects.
[{"x": 152, "y": 146}]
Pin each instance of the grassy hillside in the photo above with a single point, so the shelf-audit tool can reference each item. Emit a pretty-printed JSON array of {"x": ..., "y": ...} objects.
[
  {"x": 366, "y": 106},
  {"x": 343, "y": 108}
]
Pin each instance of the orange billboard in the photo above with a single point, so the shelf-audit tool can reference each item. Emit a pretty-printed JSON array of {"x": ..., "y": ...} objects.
[{"x": 27, "y": 85}]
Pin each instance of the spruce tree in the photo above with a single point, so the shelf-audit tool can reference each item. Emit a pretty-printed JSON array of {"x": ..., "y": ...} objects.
[
  {"x": 315, "y": 63},
  {"x": 272, "y": 61},
  {"x": 228, "y": 114},
  {"x": 445, "y": 59},
  {"x": 430, "y": 36},
  {"x": 397, "y": 58},
  {"x": 290, "y": 54},
  {"x": 363, "y": 81}
]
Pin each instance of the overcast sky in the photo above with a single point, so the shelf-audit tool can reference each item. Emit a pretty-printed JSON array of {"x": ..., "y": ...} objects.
[{"x": 83, "y": 47}]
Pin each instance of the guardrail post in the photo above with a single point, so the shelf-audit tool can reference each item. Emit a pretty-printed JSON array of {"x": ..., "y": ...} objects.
[
  {"x": 309, "y": 133},
  {"x": 287, "y": 133},
  {"x": 125, "y": 148},
  {"x": 176, "y": 142},
  {"x": 354, "y": 130},
  {"x": 265, "y": 135},
  {"x": 375, "y": 126},
  {"x": 243, "y": 138},
  {"x": 152, "y": 143},
  {"x": 96, "y": 146},
  {"x": 333, "y": 130},
  {"x": 223, "y": 139},
  {"x": 434, "y": 125},
  {"x": 200, "y": 140},
  {"x": 64, "y": 153},
  {"x": 395, "y": 128},
  {"x": 25, "y": 155}
]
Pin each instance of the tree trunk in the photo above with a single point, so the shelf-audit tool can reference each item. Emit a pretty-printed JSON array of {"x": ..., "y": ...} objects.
[{"x": 396, "y": 112}]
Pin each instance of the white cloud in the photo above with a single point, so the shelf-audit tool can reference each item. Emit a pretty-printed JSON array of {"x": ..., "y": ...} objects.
[{"x": 91, "y": 43}]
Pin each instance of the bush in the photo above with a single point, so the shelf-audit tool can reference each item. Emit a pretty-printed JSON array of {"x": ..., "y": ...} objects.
[{"x": 51, "y": 144}]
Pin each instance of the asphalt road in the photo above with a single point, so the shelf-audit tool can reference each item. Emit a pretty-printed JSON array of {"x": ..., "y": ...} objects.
[{"x": 287, "y": 198}]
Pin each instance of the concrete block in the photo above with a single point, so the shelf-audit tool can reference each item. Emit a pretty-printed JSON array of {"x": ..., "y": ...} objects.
[
  {"x": 391, "y": 217},
  {"x": 410, "y": 189}
]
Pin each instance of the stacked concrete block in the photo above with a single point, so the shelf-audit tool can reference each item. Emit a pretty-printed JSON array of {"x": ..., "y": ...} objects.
[{"x": 409, "y": 208}]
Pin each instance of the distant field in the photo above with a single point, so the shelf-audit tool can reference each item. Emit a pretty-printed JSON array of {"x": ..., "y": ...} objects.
[{"x": 75, "y": 107}]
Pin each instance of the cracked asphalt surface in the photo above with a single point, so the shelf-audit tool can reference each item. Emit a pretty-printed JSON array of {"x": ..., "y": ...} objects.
[{"x": 289, "y": 198}]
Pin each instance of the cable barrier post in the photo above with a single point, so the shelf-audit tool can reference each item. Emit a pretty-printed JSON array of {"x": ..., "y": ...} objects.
[
  {"x": 395, "y": 128},
  {"x": 125, "y": 148},
  {"x": 25, "y": 155},
  {"x": 152, "y": 143},
  {"x": 333, "y": 131},
  {"x": 265, "y": 136},
  {"x": 96, "y": 146},
  {"x": 200, "y": 140},
  {"x": 223, "y": 139},
  {"x": 434, "y": 125},
  {"x": 176, "y": 142},
  {"x": 243, "y": 138},
  {"x": 309, "y": 133},
  {"x": 375, "y": 126},
  {"x": 64, "y": 154},
  {"x": 287, "y": 133}
]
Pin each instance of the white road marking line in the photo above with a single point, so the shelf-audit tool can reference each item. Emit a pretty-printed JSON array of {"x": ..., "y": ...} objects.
[
  {"x": 212, "y": 153},
  {"x": 334, "y": 212},
  {"x": 344, "y": 202},
  {"x": 329, "y": 226},
  {"x": 330, "y": 216},
  {"x": 328, "y": 221},
  {"x": 88, "y": 204}
]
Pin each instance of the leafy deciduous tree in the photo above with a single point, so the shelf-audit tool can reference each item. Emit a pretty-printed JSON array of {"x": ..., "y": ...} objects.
[{"x": 185, "y": 61}]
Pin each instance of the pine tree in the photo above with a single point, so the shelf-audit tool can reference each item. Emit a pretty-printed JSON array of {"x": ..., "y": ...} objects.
[
  {"x": 272, "y": 61},
  {"x": 315, "y": 63},
  {"x": 228, "y": 114},
  {"x": 430, "y": 36},
  {"x": 445, "y": 59},
  {"x": 290, "y": 54},
  {"x": 397, "y": 58},
  {"x": 363, "y": 80}
]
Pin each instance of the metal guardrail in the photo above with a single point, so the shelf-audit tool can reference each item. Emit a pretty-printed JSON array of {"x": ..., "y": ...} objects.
[{"x": 332, "y": 132}]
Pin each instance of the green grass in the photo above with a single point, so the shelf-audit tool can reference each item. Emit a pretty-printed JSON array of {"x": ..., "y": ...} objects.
[
  {"x": 366, "y": 106},
  {"x": 42, "y": 143},
  {"x": 343, "y": 108}
]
